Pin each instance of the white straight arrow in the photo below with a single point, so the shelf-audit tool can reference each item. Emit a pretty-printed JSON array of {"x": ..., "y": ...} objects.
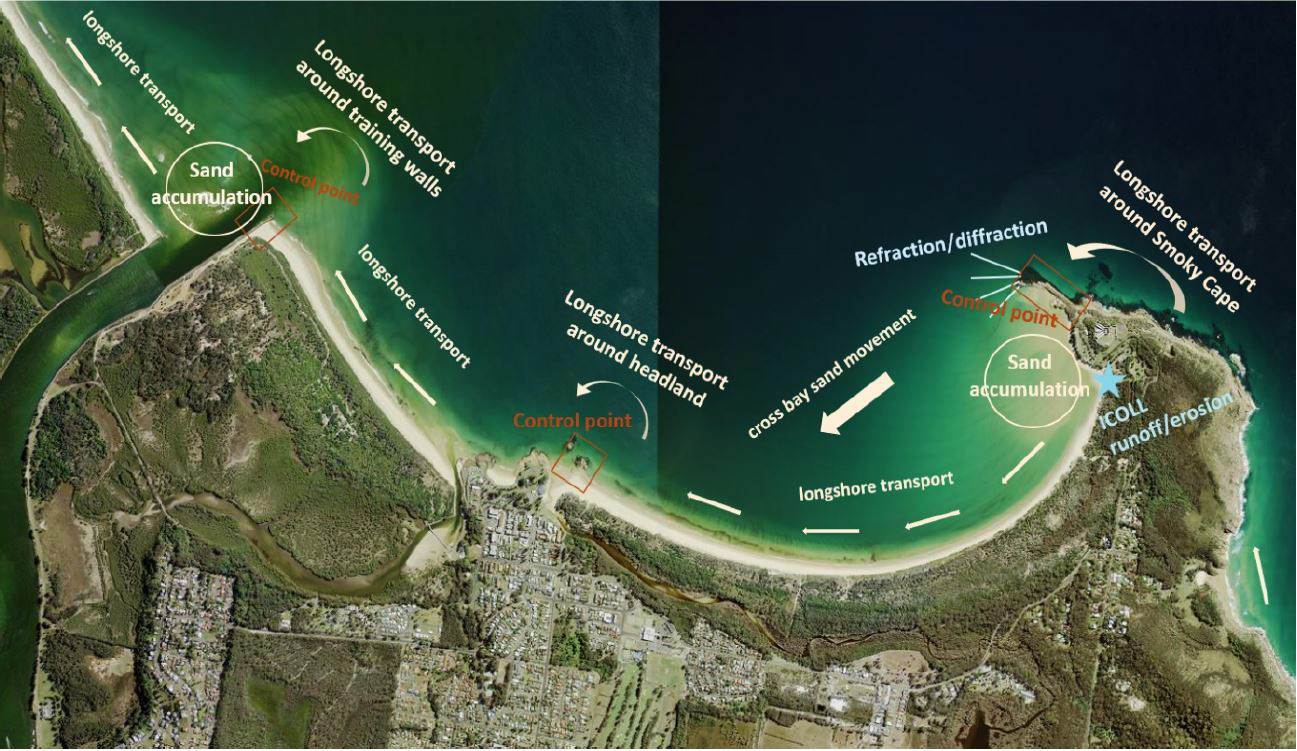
[
  {"x": 414, "y": 383},
  {"x": 1005, "y": 480},
  {"x": 829, "y": 423},
  {"x": 84, "y": 64},
  {"x": 1087, "y": 251},
  {"x": 347, "y": 288},
  {"x": 1260, "y": 573},
  {"x": 584, "y": 388},
  {"x": 143, "y": 157},
  {"x": 305, "y": 135},
  {"x": 932, "y": 519},
  {"x": 715, "y": 504}
]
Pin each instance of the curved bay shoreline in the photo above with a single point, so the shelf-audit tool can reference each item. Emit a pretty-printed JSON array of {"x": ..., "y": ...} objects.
[
  {"x": 438, "y": 442},
  {"x": 435, "y": 442}
]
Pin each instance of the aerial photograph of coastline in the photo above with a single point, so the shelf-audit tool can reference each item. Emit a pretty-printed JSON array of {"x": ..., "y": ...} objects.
[{"x": 648, "y": 375}]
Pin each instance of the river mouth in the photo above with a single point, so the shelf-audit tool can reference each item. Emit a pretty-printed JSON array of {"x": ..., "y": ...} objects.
[{"x": 289, "y": 567}]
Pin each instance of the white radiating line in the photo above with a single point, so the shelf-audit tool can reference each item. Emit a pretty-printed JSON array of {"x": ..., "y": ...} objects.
[
  {"x": 995, "y": 291},
  {"x": 695, "y": 497},
  {"x": 1265, "y": 593},
  {"x": 44, "y": 30},
  {"x": 1002, "y": 302},
  {"x": 89, "y": 70},
  {"x": 143, "y": 157},
  {"x": 414, "y": 383},
  {"x": 993, "y": 263},
  {"x": 1005, "y": 480},
  {"x": 932, "y": 519},
  {"x": 830, "y": 531},
  {"x": 350, "y": 296},
  {"x": 1001, "y": 276}
]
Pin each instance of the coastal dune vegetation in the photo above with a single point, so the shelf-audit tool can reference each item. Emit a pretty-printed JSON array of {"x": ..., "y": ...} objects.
[
  {"x": 1022, "y": 601},
  {"x": 222, "y": 407},
  {"x": 59, "y": 223}
]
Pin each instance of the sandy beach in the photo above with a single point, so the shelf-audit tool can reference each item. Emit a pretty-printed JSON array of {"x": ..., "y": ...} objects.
[
  {"x": 437, "y": 443},
  {"x": 92, "y": 128},
  {"x": 433, "y": 443},
  {"x": 1234, "y": 491},
  {"x": 303, "y": 266},
  {"x": 681, "y": 533}
]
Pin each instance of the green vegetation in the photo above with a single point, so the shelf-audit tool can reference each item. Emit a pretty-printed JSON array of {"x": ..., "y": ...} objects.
[
  {"x": 68, "y": 446},
  {"x": 701, "y": 726},
  {"x": 620, "y": 706},
  {"x": 261, "y": 415},
  {"x": 129, "y": 563},
  {"x": 91, "y": 711},
  {"x": 288, "y": 691},
  {"x": 49, "y": 167},
  {"x": 1205, "y": 608},
  {"x": 639, "y": 706},
  {"x": 461, "y": 626},
  {"x": 213, "y": 544},
  {"x": 683, "y": 611},
  {"x": 286, "y": 725},
  {"x": 19, "y": 312},
  {"x": 944, "y": 604},
  {"x": 571, "y": 648},
  {"x": 121, "y": 486},
  {"x": 260, "y": 410},
  {"x": 974, "y": 607}
]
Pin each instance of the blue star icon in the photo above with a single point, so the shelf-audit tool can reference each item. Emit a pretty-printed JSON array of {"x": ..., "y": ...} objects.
[{"x": 1108, "y": 380}]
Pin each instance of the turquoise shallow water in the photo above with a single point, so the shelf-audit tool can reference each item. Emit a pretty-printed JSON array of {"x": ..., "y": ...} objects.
[
  {"x": 656, "y": 165},
  {"x": 777, "y": 167}
]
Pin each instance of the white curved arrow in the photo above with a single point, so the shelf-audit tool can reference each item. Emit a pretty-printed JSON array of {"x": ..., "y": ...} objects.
[
  {"x": 1087, "y": 251},
  {"x": 584, "y": 388},
  {"x": 305, "y": 135}
]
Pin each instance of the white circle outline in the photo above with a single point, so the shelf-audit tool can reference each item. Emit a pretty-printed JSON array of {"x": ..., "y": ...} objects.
[
  {"x": 166, "y": 187},
  {"x": 986, "y": 372}
]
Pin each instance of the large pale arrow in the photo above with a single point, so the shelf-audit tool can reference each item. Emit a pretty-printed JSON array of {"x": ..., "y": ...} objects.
[
  {"x": 830, "y": 422},
  {"x": 584, "y": 388},
  {"x": 305, "y": 135},
  {"x": 1087, "y": 251}
]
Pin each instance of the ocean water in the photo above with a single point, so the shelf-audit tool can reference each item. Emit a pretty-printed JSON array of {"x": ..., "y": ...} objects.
[
  {"x": 708, "y": 176},
  {"x": 861, "y": 127}
]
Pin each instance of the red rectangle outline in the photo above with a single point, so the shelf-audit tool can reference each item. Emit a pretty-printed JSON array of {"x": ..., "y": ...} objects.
[
  {"x": 255, "y": 241},
  {"x": 1089, "y": 298},
  {"x": 554, "y": 469}
]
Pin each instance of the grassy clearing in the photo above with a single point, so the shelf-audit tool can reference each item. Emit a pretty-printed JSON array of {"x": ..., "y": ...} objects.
[
  {"x": 712, "y": 731},
  {"x": 288, "y": 691},
  {"x": 620, "y": 705},
  {"x": 286, "y": 724},
  {"x": 801, "y": 734},
  {"x": 639, "y": 704}
]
